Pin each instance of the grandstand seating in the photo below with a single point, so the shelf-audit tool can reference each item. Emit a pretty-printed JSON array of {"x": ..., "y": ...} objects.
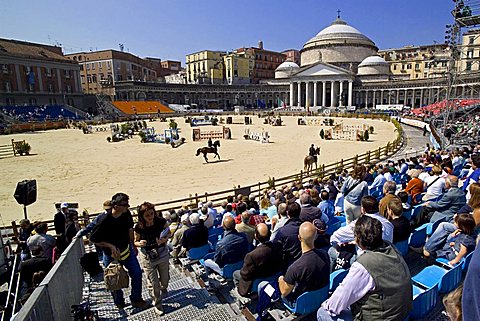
[
  {"x": 228, "y": 269},
  {"x": 141, "y": 107},
  {"x": 402, "y": 247},
  {"x": 440, "y": 106},
  {"x": 447, "y": 278},
  {"x": 308, "y": 301},
  {"x": 198, "y": 252},
  {"x": 336, "y": 277},
  {"x": 30, "y": 113},
  {"x": 424, "y": 300}
]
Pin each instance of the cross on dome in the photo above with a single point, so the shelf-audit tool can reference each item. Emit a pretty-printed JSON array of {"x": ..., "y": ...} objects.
[{"x": 338, "y": 14}]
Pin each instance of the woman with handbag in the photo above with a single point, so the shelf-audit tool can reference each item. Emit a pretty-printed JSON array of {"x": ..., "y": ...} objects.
[{"x": 151, "y": 234}]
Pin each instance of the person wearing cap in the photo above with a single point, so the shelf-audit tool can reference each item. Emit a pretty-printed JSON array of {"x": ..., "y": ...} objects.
[
  {"x": 59, "y": 222},
  {"x": 176, "y": 243}
]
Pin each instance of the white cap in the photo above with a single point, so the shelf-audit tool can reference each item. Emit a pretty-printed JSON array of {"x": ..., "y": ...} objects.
[{"x": 64, "y": 205}]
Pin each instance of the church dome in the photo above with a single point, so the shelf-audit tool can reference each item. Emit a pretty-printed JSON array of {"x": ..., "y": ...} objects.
[
  {"x": 339, "y": 44},
  {"x": 373, "y": 61},
  {"x": 286, "y": 69}
]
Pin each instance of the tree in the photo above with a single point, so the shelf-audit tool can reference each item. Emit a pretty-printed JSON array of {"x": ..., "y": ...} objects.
[{"x": 322, "y": 133}]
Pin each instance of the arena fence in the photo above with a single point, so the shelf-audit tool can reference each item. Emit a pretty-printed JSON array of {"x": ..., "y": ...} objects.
[
  {"x": 62, "y": 287},
  {"x": 373, "y": 156}
]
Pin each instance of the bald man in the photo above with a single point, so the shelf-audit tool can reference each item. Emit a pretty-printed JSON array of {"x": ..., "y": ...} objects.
[
  {"x": 310, "y": 272},
  {"x": 264, "y": 261},
  {"x": 232, "y": 248}
]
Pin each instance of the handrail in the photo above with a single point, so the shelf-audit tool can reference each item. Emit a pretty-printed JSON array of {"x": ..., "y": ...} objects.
[
  {"x": 378, "y": 155},
  {"x": 10, "y": 285}
]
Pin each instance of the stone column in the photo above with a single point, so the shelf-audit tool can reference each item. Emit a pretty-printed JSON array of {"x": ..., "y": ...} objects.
[
  {"x": 315, "y": 94},
  {"x": 381, "y": 97},
  {"x": 350, "y": 93},
  {"x": 341, "y": 94},
  {"x": 374, "y": 103},
  {"x": 299, "y": 94},
  {"x": 332, "y": 94},
  {"x": 405, "y": 97},
  {"x": 366, "y": 98},
  {"x": 324, "y": 94},
  {"x": 40, "y": 81},
  {"x": 421, "y": 97},
  {"x": 398, "y": 97},
  {"x": 307, "y": 94},
  {"x": 59, "y": 82},
  {"x": 19, "y": 80},
  {"x": 291, "y": 94}
]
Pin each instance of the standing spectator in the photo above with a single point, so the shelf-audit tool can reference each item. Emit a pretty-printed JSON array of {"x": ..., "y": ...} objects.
[
  {"x": 26, "y": 229},
  {"x": 151, "y": 236},
  {"x": 42, "y": 239},
  {"x": 353, "y": 189},
  {"x": 232, "y": 248},
  {"x": 379, "y": 180},
  {"x": 71, "y": 227},
  {"x": 474, "y": 176},
  {"x": 265, "y": 260},
  {"x": 377, "y": 286},
  {"x": 59, "y": 222},
  {"x": 196, "y": 235},
  {"x": 114, "y": 232},
  {"x": 389, "y": 189},
  {"x": 471, "y": 285}
]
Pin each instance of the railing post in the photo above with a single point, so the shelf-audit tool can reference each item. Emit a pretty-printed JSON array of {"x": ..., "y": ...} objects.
[
  {"x": 367, "y": 159},
  {"x": 206, "y": 197},
  {"x": 355, "y": 160},
  {"x": 341, "y": 163},
  {"x": 259, "y": 191},
  {"x": 273, "y": 182},
  {"x": 196, "y": 200}
]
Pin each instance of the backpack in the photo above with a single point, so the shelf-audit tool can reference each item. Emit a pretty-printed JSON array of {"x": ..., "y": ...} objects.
[{"x": 115, "y": 277}]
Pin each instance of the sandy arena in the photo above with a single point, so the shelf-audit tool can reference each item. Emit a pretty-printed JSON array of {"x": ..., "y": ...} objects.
[{"x": 71, "y": 166}]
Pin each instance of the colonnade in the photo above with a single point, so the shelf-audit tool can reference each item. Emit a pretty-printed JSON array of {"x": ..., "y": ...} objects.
[{"x": 325, "y": 93}]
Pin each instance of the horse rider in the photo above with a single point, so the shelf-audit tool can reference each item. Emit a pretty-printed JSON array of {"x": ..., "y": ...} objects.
[
  {"x": 312, "y": 152},
  {"x": 210, "y": 143}
]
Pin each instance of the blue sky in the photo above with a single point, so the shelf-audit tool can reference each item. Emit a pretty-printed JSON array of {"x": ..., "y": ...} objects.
[{"x": 169, "y": 29}]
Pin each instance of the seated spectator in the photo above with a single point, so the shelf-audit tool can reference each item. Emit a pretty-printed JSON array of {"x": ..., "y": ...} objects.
[
  {"x": 207, "y": 219},
  {"x": 42, "y": 239},
  {"x": 327, "y": 207},
  {"x": 433, "y": 184},
  {"x": 387, "y": 174},
  {"x": 25, "y": 231},
  {"x": 211, "y": 210},
  {"x": 353, "y": 189},
  {"x": 246, "y": 228},
  {"x": 232, "y": 248},
  {"x": 309, "y": 273},
  {"x": 310, "y": 212},
  {"x": 228, "y": 212},
  {"x": 196, "y": 235},
  {"x": 401, "y": 225},
  {"x": 403, "y": 196},
  {"x": 378, "y": 285},
  {"x": 279, "y": 220},
  {"x": 264, "y": 261},
  {"x": 288, "y": 235},
  {"x": 175, "y": 244},
  {"x": 345, "y": 234},
  {"x": 36, "y": 263},
  {"x": 322, "y": 241},
  {"x": 443, "y": 209},
  {"x": 379, "y": 180},
  {"x": 473, "y": 175},
  {"x": 389, "y": 189},
  {"x": 457, "y": 244},
  {"x": 174, "y": 224},
  {"x": 474, "y": 201}
]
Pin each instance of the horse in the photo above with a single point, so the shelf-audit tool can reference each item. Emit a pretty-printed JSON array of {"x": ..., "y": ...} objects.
[
  {"x": 310, "y": 160},
  {"x": 211, "y": 150}
]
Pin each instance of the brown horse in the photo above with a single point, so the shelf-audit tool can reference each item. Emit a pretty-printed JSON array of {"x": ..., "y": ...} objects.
[
  {"x": 209, "y": 150},
  {"x": 310, "y": 160}
]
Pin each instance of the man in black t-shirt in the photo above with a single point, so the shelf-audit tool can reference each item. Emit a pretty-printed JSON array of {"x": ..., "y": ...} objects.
[
  {"x": 114, "y": 233},
  {"x": 310, "y": 272}
]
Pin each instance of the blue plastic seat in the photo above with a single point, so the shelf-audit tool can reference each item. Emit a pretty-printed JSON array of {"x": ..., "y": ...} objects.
[
  {"x": 268, "y": 279},
  {"x": 336, "y": 277},
  {"x": 408, "y": 214},
  {"x": 417, "y": 239},
  {"x": 418, "y": 198},
  {"x": 446, "y": 277},
  {"x": 308, "y": 301},
  {"x": 424, "y": 300},
  {"x": 402, "y": 247},
  {"x": 343, "y": 219},
  {"x": 213, "y": 240},
  {"x": 228, "y": 269},
  {"x": 415, "y": 211},
  {"x": 197, "y": 253},
  {"x": 333, "y": 227},
  {"x": 465, "y": 262},
  {"x": 215, "y": 231}
]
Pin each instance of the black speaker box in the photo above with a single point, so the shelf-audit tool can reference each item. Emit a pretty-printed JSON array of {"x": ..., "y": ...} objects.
[{"x": 26, "y": 192}]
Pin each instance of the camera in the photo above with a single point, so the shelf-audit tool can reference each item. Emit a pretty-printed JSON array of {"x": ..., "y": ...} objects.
[{"x": 152, "y": 254}]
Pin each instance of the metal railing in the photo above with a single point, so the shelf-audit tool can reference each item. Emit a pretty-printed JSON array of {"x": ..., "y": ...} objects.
[{"x": 61, "y": 288}]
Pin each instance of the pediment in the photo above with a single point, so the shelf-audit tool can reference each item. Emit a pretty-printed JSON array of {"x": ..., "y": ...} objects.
[{"x": 321, "y": 69}]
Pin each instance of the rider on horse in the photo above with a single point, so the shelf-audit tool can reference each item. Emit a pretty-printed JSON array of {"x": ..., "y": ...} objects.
[{"x": 313, "y": 152}]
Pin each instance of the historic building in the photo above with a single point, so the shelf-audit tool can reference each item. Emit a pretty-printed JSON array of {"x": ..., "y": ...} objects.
[
  {"x": 237, "y": 68},
  {"x": 37, "y": 74},
  {"x": 100, "y": 70},
  {"x": 470, "y": 51},
  {"x": 292, "y": 55},
  {"x": 205, "y": 67}
]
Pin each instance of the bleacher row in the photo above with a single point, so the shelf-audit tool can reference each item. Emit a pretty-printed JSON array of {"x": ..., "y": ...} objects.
[
  {"x": 29, "y": 113},
  {"x": 428, "y": 284},
  {"x": 441, "y": 106},
  {"x": 141, "y": 107}
]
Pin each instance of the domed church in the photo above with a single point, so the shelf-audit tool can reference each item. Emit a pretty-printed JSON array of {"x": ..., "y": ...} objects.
[{"x": 331, "y": 62}]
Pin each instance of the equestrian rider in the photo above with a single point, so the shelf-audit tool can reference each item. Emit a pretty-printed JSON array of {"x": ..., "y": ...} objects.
[
  {"x": 210, "y": 144},
  {"x": 312, "y": 152}
]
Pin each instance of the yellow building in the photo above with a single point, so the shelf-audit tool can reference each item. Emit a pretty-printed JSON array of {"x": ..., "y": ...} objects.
[
  {"x": 417, "y": 62},
  {"x": 205, "y": 67},
  {"x": 238, "y": 69},
  {"x": 470, "y": 51}
]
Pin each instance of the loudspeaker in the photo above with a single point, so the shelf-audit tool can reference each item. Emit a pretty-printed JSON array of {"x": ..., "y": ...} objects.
[{"x": 26, "y": 192}]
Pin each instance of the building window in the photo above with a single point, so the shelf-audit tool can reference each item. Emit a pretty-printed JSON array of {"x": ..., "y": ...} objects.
[
  {"x": 471, "y": 40},
  {"x": 50, "y": 88},
  {"x": 425, "y": 65},
  {"x": 93, "y": 65},
  {"x": 67, "y": 74},
  {"x": 89, "y": 79},
  {"x": 470, "y": 54},
  {"x": 468, "y": 67},
  {"x": 88, "y": 66},
  {"x": 409, "y": 66},
  {"x": 5, "y": 68},
  {"x": 108, "y": 65},
  {"x": 94, "y": 78},
  {"x": 82, "y": 79},
  {"x": 417, "y": 66},
  {"x": 68, "y": 88},
  {"x": 394, "y": 67},
  {"x": 99, "y": 65},
  {"x": 444, "y": 64}
]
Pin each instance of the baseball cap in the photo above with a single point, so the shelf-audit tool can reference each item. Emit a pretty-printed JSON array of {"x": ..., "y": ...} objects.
[
  {"x": 319, "y": 224},
  {"x": 64, "y": 205}
]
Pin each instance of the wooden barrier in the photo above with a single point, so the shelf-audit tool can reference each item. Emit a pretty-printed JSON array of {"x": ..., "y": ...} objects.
[
  {"x": 262, "y": 137},
  {"x": 8, "y": 150},
  {"x": 224, "y": 133}
]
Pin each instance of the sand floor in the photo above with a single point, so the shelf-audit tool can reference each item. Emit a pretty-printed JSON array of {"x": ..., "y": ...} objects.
[{"x": 71, "y": 166}]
